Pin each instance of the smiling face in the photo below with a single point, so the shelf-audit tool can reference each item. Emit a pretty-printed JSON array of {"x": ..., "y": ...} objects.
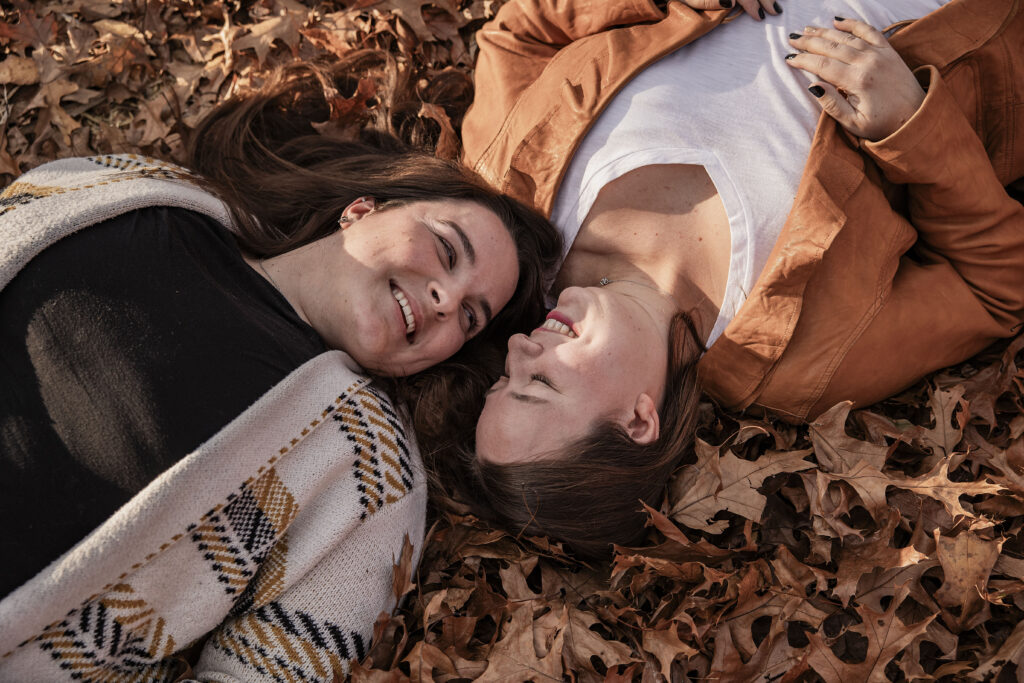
[
  {"x": 600, "y": 355},
  {"x": 403, "y": 288}
]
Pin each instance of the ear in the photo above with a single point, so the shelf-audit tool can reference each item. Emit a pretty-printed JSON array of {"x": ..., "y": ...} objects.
[
  {"x": 645, "y": 425},
  {"x": 359, "y": 208}
]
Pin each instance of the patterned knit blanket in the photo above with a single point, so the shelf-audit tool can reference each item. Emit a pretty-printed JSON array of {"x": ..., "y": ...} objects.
[{"x": 272, "y": 544}]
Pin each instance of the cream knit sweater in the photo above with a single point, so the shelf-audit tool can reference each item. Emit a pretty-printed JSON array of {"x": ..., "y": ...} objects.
[{"x": 278, "y": 535}]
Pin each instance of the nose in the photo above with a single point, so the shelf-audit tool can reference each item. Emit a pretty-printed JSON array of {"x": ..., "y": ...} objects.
[
  {"x": 444, "y": 297},
  {"x": 519, "y": 345},
  {"x": 570, "y": 294}
]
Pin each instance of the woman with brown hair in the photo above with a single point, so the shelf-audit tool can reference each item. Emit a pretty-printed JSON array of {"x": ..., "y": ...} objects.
[
  {"x": 688, "y": 225},
  {"x": 191, "y": 439}
]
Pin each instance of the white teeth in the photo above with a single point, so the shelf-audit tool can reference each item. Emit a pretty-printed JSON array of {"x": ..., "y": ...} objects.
[
  {"x": 410, "y": 322},
  {"x": 561, "y": 328}
]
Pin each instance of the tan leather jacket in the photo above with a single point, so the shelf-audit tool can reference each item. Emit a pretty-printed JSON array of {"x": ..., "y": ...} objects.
[{"x": 858, "y": 299}]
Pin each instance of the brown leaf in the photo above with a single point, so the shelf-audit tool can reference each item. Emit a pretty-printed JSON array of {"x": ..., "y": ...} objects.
[
  {"x": 726, "y": 483},
  {"x": 514, "y": 658},
  {"x": 666, "y": 646},
  {"x": 871, "y": 556},
  {"x": 886, "y": 637},
  {"x": 411, "y": 13},
  {"x": 31, "y": 29},
  {"x": 967, "y": 560},
  {"x": 288, "y": 18},
  {"x": 17, "y": 70},
  {"x": 838, "y": 452}
]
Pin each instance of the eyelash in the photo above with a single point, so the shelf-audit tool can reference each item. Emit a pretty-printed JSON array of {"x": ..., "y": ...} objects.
[
  {"x": 449, "y": 251},
  {"x": 543, "y": 380}
]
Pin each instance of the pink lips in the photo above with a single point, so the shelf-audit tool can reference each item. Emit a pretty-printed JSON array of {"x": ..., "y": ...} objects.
[
  {"x": 560, "y": 318},
  {"x": 555, "y": 315}
]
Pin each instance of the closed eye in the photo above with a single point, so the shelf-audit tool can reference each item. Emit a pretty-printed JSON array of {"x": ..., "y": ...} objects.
[{"x": 543, "y": 380}]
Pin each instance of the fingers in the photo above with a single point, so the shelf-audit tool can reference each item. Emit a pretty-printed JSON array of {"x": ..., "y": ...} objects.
[
  {"x": 834, "y": 104},
  {"x": 830, "y": 42},
  {"x": 866, "y": 32},
  {"x": 708, "y": 4},
  {"x": 834, "y": 71},
  {"x": 760, "y": 8}
]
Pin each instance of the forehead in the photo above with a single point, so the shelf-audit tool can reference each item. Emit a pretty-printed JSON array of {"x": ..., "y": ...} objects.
[{"x": 518, "y": 428}]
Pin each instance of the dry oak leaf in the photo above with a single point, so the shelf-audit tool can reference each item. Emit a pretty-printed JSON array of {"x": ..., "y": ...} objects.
[
  {"x": 582, "y": 643},
  {"x": 1010, "y": 651},
  {"x": 48, "y": 99},
  {"x": 17, "y": 70},
  {"x": 514, "y": 657},
  {"x": 937, "y": 485},
  {"x": 785, "y": 606},
  {"x": 967, "y": 560},
  {"x": 985, "y": 387},
  {"x": 873, "y": 556},
  {"x": 666, "y": 646},
  {"x": 949, "y": 410},
  {"x": 837, "y": 451},
  {"x": 886, "y": 636},
  {"x": 411, "y": 13},
  {"x": 30, "y": 31},
  {"x": 717, "y": 483},
  {"x": 773, "y": 660},
  {"x": 288, "y": 19}
]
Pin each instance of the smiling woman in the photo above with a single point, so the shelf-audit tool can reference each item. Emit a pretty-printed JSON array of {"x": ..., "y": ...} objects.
[
  {"x": 806, "y": 261},
  {"x": 401, "y": 287},
  {"x": 187, "y": 413}
]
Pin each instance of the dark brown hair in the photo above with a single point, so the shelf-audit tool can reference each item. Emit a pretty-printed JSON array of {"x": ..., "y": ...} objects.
[
  {"x": 589, "y": 494},
  {"x": 287, "y": 165}
]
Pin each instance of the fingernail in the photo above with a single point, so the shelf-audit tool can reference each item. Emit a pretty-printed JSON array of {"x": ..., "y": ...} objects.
[
  {"x": 791, "y": 55},
  {"x": 795, "y": 36},
  {"x": 760, "y": 12},
  {"x": 725, "y": 3},
  {"x": 839, "y": 19},
  {"x": 817, "y": 90},
  {"x": 777, "y": 8}
]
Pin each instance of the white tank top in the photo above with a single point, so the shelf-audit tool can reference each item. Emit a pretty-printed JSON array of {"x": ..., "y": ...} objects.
[{"x": 728, "y": 102}]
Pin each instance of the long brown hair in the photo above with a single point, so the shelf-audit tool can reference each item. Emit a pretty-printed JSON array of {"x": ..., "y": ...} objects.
[
  {"x": 286, "y": 182},
  {"x": 589, "y": 494}
]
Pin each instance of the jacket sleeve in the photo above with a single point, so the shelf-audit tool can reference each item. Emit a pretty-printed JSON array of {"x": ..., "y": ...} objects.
[
  {"x": 520, "y": 41},
  {"x": 959, "y": 208},
  {"x": 961, "y": 286}
]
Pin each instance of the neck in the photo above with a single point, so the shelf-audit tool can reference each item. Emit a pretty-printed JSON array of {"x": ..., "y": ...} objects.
[{"x": 283, "y": 275}]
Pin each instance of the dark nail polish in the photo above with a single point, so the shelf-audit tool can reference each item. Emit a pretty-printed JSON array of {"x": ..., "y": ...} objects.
[
  {"x": 760, "y": 12},
  {"x": 777, "y": 8},
  {"x": 725, "y": 3},
  {"x": 791, "y": 55},
  {"x": 839, "y": 19},
  {"x": 817, "y": 90},
  {"x": 795, "y": 36}
]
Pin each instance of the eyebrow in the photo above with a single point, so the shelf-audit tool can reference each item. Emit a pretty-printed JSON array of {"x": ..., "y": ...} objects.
[
  {"x": 467, "y": 246},
  {"x": 527, "y": 399}
]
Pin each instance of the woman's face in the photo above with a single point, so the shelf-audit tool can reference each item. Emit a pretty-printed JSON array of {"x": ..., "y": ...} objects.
[
  {"x": 600, "y": 355},
  {"x": 403, "y": 288}
]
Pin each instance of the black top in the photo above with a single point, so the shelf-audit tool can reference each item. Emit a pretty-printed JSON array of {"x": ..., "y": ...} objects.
[{"x": 122, "y": 348}]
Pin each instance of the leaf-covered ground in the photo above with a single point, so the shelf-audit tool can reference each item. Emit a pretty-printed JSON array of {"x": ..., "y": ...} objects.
[{"x": 875, "y": 545}]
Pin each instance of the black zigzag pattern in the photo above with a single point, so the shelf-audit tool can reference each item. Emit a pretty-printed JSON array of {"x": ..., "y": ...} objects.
[{"x": 262, "y": 640}]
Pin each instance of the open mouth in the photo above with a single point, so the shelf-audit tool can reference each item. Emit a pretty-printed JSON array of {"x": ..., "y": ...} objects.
[
  {"x": 557, "y": 322},
  {"x": 410, "y": 319}
]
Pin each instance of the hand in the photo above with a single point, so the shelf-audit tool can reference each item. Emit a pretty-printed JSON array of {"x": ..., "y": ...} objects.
[
  {"x": 864, "y": 85},
  {"x": 755, "y": 8}
]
